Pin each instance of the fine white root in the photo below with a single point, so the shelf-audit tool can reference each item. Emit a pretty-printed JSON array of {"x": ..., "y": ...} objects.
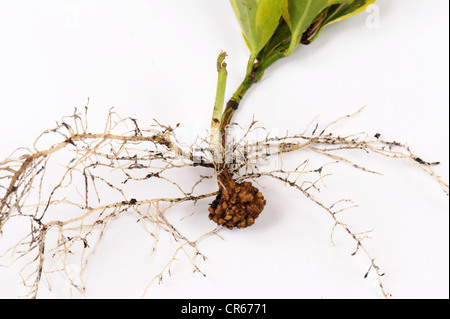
[{"x": 91, "y": 177}]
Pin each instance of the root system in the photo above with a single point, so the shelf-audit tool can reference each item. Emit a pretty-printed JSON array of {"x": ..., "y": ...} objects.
[{"x": 97, "y": 172}]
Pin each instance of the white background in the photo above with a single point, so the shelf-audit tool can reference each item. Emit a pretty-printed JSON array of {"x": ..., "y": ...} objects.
[{"x": 156, "y": 59}]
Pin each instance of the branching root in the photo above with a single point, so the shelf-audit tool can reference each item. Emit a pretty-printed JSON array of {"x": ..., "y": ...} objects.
[{"x": 69, "y": 192}]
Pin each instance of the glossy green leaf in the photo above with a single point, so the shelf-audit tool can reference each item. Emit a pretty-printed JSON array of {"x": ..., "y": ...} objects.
[
  {"x": 258, "y": 19},
  {"x": 301, "y": 14},
  {"x": 342, "y": 11}
]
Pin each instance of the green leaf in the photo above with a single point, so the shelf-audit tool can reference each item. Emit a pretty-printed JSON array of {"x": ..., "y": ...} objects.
[
  {"x": 301, "y": 14},
  {"x": 342, "y": 11},
  {"x": 258, "y": 19},
  {"x": 282, "y": 36}
]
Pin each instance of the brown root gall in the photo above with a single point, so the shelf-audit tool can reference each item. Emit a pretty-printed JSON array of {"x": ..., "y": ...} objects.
[{"x": 237, "y": 204}]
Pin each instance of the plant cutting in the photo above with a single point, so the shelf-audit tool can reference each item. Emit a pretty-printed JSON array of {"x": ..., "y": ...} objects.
[
  {"x": 138, "y": 156},
  {"x": 272, "y": 30}
]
